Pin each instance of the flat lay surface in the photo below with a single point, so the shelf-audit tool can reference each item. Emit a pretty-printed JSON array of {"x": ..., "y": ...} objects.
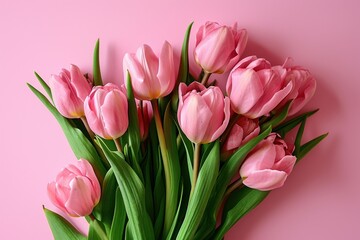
[{"x": 320, "y": 199}]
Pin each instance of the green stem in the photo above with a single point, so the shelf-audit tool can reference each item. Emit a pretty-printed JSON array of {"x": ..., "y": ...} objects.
[
  {"x": 98, "y": 229},
  {"x": 118, "y": 144},
  {"x": 92, "y": 136},
  {"x": 232, "y": 187},
  {"x": 195, "y": 166},
  {"x": 205, "y": 78},
  {"x": 165, "y": 160}
]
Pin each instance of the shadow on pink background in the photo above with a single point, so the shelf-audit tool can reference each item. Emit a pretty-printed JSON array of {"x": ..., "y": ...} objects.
[{"x": 321, "y": 198}]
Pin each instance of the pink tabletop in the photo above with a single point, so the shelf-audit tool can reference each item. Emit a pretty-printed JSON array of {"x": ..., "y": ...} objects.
[{"x": 321, "y": 198}]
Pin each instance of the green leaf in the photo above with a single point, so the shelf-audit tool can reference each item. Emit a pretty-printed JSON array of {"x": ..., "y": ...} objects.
[
  {"x": 305, "y": 148},
  {"x": 228, "y": 170},
  {"x": 287, "y": 126},
  {"x": 299, "y": 137},
  {"x": 175, "y": 222},
  {"x": 96, "y": 231},
  {"x": 174, "y": 169},
  {"x": 148, "y": 174},
  {"x": 132, "y": 134},
  {"x": 79, "y": 143},
  {"x": 240, "y": 202},
  {"x": 278, "y": 118},
  {"x": 203, "y": 188},
  {"x": 107, "y": 200},
  {"x": 183, "y": 75},
  {"x": 189, "y": 148},
  {"x": 119, "y": 221},
  {"x": 61, "y": 228},
  {"x": 133, "y": 194},
  {"x": 44, "y": 85},
  {"x": 96, "y": 65}
]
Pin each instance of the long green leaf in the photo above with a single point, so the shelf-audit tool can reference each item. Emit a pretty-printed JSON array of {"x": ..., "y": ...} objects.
[
  {"x": 226, "y": 174},
  {"x": 96, "y": 65},
  {"x": 119, "y": 221},
  {"x": 305, "y": 148},
  {"x": 299, "y": 137},
  {"x": 199, "y": 200},
  {"x": 240, "y": 202},
  {"x": 133, "y": 194},
  {"x": 44, "y": 85},
  {"x": 278, "y": 118},
  {"x": 79, "y": 143},
  {"x": 61, "y": 228},
  {"x": 107, "y": 200},
  {"x": 183, "y": 75},
  {"x": 287, "y": 126}
]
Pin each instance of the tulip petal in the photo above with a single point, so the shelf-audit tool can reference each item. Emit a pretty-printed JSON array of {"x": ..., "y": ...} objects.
[
  {"x": 81, "y": 85},
  {"x": 234, "y": 139},
  {"x": 195, "y": 117},
  {"x": 88, "y": 171},
  {"x": 80, "y": 202},
  {"x": 225, "y": 122},
  {"x": 265, "y": 180},
  {"x": 262, "y": 157},
  {"x": 51, "y": 190},
  {"x": 167, "y": 72},
  {"x": 285, "y": 164},
  {"x": 244, "y": 89},
  {"x": 115, "y": 113}
]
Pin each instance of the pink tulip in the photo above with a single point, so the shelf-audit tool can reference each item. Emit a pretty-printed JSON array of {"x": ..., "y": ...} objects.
[
  {"x": 76, "y": 190},
  {"x": 218, "y": 48},
  {"x": 268, "y": 165},
  {"x": 304, "y": 85},
  {"x": 69, "y": 90},
  {"x": 151, "y": 77},
  {"x": 255, "y": 88},
  {"x": 243, "y": 131},
  {"x": 145, "y": 114},
  {"x": 106, "y": 110},
  {"x": 203, "y": 113}
]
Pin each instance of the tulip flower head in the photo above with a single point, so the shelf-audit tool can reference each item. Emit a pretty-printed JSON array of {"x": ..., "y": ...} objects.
[
  {"x": 243, "y": 131},
  {"x": 203, "y": 113},
  {"x": 106, "y": 110},
  {"x": 218, "y": 48},
  {"x": 69, "y": 90},
  {"x": 255, "y": 88},
  {"x": 76, "y": 190},
  {"x": 152, "y": 77},
  {"x": 268, "y": 165},
  {"x": 304, "y": 86}
]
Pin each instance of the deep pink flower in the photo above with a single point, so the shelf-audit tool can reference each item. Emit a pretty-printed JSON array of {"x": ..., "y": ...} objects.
[
  {"x": 106, "y": 110},
  {"x": 76, "y": 190},
  {"x": 152, "y": 77},
  {"x": 255, "y": 88},
  {"x": 203, "y": 113},
  {"x": 218, "y": 48},
  {"x": 69, "y": 90},
  {"x": 268, "y": 165}
]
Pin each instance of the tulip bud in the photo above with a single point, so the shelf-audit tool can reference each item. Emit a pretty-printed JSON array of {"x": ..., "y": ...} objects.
[
  {"x": 218, "y": 48},
  {"x": 255, "y": 88},
  {"x": 243, "y": 131},
  {"x": 106, "y": 110},
  {"x": 152, "y": 77},
  {"x": 76, "y": 190},
  {"x": 145, "y": 114},
  {"x": 203, "y": 113},
  {"x": 304, "y": 86},
  {"x": 69, "y": 90},
  {"x": 268, "y": 164}
]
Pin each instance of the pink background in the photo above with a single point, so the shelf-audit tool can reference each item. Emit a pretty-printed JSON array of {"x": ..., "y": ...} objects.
[{"x": 320, "y": 199}]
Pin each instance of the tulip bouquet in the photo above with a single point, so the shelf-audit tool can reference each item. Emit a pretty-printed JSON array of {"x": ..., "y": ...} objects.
[{"x": 168, "y": 155}]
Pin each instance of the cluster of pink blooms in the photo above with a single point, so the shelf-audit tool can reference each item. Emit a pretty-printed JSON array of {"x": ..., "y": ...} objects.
[{"x": 254, "y": 89}]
